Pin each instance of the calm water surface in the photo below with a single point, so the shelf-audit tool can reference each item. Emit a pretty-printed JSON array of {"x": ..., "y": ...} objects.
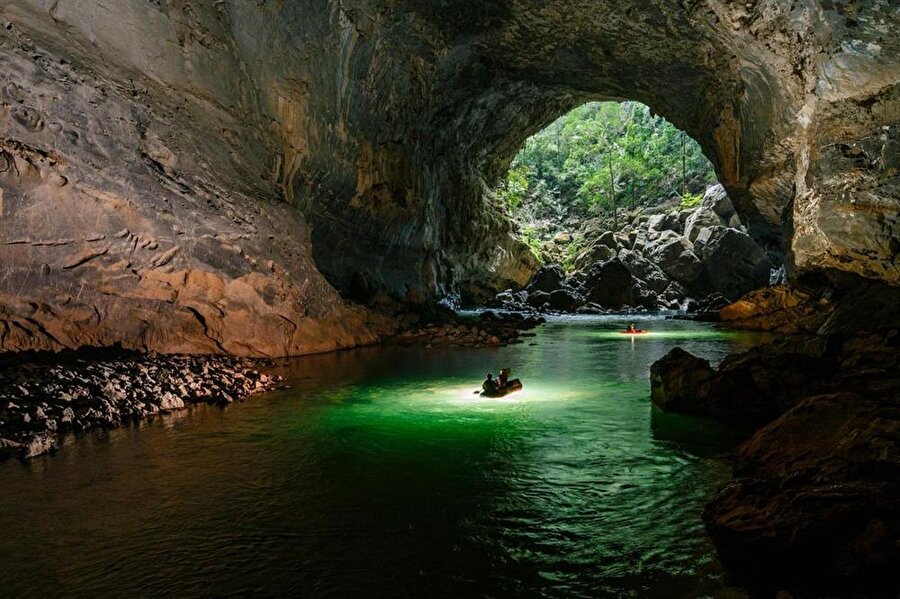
[{"x": 380, "y": 474}]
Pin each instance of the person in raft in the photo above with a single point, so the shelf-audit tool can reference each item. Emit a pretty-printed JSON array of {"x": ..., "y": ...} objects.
[
  {"x": 490, "y": 385},
  {"x": 503, "y": 378},
  {"x": 631, "y": 328}
]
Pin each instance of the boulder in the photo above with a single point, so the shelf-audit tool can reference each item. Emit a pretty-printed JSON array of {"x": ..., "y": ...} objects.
[
  {"x": 591, "y": 308},
  {"x": 564, "y": 300},
  {"x": 733, "y": 262},
  {"x": 815, "y": 499},
  {"x": 674, "y": 292},
  {"x": 709, "y": 305},
  {"x": 650, "y": 274},
  {"x": 666, "y": 222},
  {"x": 9, "y": 448},
  {"x": 547, "y": 279},
  {"x": 38, "y": 444},
  {"x": 592, "y": 255},
  {"x": 754, "y": 386},
  {"x": 608, "y": 239},
  {"x": 674, "y": 255},
  {"x": 779, "y": 308},
  {"x": 656, "y": 222},
  {"x": 679, "y": 382},
  {"x": 537, "y": 299},
  {"x": 169, "y": 402},
  {"x": 702, "y": 216},
  {"x": 610, "y": 284},
  {"x": 717, "y": 200},
  {"x": 562, "y": 238},
  {"x": 646, "y": 298}
]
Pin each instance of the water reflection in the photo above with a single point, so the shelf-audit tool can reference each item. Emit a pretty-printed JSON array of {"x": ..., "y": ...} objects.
[{"x": 380, "y": 473}]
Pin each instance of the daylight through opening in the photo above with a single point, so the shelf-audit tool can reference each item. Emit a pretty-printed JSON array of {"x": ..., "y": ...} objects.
[{"x": 624, "y": 211}]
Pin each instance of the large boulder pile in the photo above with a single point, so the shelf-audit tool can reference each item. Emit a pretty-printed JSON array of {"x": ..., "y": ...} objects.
[{"x": 655, "y": 262}]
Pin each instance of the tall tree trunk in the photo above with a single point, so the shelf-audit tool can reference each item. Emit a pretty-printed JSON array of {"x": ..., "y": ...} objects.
[{"x": 612, "y": 195}]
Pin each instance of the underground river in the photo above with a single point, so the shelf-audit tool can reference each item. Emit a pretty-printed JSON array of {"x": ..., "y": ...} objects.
[{"x": 380, "y": 473}]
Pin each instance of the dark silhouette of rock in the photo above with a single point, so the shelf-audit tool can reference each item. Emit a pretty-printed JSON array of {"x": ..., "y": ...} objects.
[
  {"x": 549, "y": 278},
  {"x": 734, "y": 264},
  {"x": 537, "y": 299},
  {"x": 610, "y": 284},
  {"x": 564, "y": 300},
  {"x": 755, "y": 385},
  {"x": 814, "y": 500},
  {"x": 680, "y": 382}
]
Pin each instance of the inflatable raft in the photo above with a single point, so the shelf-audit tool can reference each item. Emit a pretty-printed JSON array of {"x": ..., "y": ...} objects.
[{"x": 511, "y": 387}]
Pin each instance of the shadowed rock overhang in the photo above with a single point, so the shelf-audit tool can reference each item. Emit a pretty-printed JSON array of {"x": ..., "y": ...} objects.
[{"x": 204, "y": 176}]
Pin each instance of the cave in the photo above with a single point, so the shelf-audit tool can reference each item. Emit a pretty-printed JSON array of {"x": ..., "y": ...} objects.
[{"x": 258, "y": 180}]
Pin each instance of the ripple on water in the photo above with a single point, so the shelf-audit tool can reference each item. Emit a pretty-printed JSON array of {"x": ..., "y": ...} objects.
[{"x": 381, "y": 473}]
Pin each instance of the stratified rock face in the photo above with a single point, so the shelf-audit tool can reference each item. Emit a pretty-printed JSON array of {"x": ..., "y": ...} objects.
[
  {"x": 155, "y": 155},
  {"x": 139, "y": 194}
]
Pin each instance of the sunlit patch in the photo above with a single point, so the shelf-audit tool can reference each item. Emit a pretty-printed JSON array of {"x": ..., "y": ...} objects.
[
  {"x": 685, "y": 334},
  {"x": 435, "y": 395}
]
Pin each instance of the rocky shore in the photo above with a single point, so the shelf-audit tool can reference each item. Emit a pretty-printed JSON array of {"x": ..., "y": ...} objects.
[
  {"x": 815, "y": 502},
  {"x": 488, "y": 329},
  {"x": 43, "y": 396}
]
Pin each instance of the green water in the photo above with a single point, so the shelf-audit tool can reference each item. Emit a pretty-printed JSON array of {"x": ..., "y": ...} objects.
[{"x": 380, "y": 474}]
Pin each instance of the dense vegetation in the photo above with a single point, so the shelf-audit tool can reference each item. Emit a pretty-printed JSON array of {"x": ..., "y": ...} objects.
[{"x": 600, "y": 158}]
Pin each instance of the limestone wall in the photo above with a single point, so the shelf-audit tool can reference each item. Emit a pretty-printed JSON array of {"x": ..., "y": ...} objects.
[{"x": 202, "y": 175}]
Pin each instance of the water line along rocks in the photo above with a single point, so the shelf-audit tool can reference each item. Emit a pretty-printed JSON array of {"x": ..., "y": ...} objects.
[
  {"x": 52, "y": 395},
  {"x": 489, "y": 329}
]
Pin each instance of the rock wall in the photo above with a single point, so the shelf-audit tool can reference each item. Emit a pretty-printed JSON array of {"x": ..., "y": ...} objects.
[{"x": 176, "y": 174}]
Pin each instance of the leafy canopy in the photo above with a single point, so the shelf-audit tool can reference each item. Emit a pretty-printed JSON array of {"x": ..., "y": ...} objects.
[{"x": 601, "y": 153}]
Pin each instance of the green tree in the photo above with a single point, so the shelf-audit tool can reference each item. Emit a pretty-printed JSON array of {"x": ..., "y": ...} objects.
[{"x": 600, "y": 155}]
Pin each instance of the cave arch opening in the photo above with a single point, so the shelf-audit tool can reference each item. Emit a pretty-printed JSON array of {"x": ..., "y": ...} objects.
[
  {"x": 603, "y": 161},
  {"x": 622, "y": 209}
]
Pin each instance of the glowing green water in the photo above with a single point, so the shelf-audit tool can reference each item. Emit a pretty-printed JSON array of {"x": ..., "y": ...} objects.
[{"x": 381, "y": 474}]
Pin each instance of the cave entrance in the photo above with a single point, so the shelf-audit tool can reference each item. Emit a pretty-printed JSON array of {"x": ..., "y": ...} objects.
[
  {"x": 623, "y": 210},
  {"x": 607, "y": 162}
]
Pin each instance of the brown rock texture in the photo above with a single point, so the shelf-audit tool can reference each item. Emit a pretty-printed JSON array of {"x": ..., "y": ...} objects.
[
  {"x": 779, "y": 308},
  {"x": 175, "y": 175},
  {"x": 814, "y": 506},
  {"x": 814, "y": 501}
]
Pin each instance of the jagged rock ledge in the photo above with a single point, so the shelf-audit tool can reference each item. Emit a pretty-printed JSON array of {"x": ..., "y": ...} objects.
[
  {"x": 43, "y": 396},
  {"x": 814, "y": 506}
]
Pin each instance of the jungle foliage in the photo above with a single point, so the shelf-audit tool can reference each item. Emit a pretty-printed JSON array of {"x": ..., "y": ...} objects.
[{"x": 601, "y": 155}]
